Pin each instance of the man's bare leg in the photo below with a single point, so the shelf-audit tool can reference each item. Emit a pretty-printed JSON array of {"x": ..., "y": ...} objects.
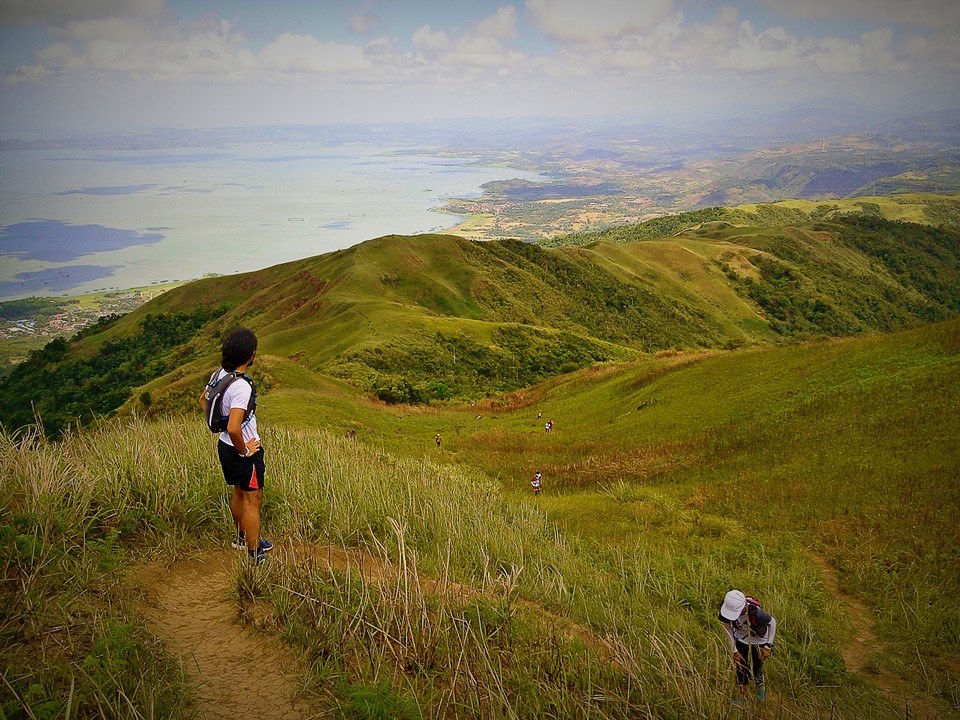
[
  {"x": 236, "y": 509},
  {"x": 250, "y": 517}
]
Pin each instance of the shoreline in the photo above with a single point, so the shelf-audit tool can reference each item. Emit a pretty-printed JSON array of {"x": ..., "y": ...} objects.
[{"x": 112, "y": 222}]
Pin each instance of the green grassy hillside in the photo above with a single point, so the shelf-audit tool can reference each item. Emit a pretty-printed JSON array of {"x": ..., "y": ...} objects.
[
  {"x": 845, "y": 451},
  {"x": 426, "y": 318},
  {"x": 920, "y": 208},
  {"x": 667, "y": 480}
]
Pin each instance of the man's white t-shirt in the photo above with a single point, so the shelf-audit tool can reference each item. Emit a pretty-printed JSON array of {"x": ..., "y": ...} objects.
[{"x": 238, "y": 396}]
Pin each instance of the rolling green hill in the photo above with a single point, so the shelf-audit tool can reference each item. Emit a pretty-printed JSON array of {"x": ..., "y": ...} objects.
[{"x": 424, "y": 318}]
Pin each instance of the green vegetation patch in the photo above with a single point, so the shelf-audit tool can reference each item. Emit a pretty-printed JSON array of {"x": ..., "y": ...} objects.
[
  {"x": 30, "y": 307},
  {"x": 70, "y": 514},
  {"x": 925, "y": 259},
  {"x": 444, "y": 366},
  {"x": 851, "y": 274},
  {"x": 630, "y": 313},
  {"x": 62, "y": 389}
]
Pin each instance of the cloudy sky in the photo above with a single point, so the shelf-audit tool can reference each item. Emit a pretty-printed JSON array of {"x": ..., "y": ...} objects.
[{"x": 88, "y": 65}]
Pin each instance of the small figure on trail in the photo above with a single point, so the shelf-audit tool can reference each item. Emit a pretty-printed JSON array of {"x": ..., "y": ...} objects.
[
  {"x": 750, "y": 631},
  {"x": 539, "y": 414},
  {"x": 536, "y": 482},
  {"x": 229, "y": 402},
  {"x": 548, "y": 427},
  {"x": 439, "y": 440}
]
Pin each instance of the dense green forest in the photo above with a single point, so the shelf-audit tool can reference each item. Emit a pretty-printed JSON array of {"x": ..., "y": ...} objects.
[{"x": 61, "y": 389}]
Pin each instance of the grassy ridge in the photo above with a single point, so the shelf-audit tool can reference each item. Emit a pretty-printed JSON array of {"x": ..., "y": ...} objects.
[
  {"x": 418, "y": 319},
  {"x": 360, "y": 313},
  {"x": 918, "y": 208}
]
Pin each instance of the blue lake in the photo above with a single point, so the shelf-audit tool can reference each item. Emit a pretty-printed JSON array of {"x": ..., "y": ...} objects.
[{"x": 73, "y": 221}]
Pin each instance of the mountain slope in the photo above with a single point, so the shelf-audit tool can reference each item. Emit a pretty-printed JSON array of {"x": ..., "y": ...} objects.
[
  {"x": 668, "y": 480},
  {"x": 412, "y": 319}
]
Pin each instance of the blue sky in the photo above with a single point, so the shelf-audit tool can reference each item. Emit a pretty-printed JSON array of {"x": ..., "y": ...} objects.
[{"x": 105, "y": 65}]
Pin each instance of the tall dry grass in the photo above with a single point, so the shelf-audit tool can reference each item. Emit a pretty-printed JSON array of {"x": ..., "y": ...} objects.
[{"x": 468, "y": 604}]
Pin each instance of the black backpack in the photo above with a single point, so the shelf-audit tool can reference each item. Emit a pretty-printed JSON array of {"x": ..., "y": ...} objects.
[
  {"x": 758, "y": 618},
  {"x": 216, "y": 387}
]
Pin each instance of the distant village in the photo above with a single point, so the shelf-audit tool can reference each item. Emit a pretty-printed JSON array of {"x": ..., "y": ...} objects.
[{"x": 70, "y": 318}]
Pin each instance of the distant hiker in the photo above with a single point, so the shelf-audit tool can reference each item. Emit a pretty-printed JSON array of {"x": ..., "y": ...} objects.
[
  {"x": 537, "y": 482},
  {"x": 750, "y": 630},
  {"x": 229, "y": 401},
  {"x": 439, "y": 440},
  {"x": 539, "y": 414},
  {"x": 548, "y": 427}
]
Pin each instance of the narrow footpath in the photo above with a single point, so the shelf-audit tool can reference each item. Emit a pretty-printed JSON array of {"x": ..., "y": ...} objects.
[
  {"x": 864, "y": 654},
  {"x": 239, "y": 672}
]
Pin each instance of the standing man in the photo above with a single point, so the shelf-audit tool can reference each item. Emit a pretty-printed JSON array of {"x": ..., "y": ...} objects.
[
  {"x": 241, "y": 457},
  {"x": 439, "y": 440},
  {"x": 750, "y": 631}
]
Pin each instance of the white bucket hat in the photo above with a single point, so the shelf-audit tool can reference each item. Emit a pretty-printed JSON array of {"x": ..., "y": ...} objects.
[{"x": 733, "y": 603}]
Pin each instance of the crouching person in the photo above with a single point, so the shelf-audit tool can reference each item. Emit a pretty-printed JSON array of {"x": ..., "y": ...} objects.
[{"x": 750, "y": 631}]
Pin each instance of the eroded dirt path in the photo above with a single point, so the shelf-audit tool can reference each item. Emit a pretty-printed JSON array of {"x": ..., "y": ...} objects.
[
  {"x": 864, "y": 653},
  {"x": 860, "y": 653},
  {"x": 239, "y": 672}
]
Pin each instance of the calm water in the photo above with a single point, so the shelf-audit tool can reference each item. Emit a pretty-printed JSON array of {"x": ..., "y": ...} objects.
[{"x": 77, "y": 221}]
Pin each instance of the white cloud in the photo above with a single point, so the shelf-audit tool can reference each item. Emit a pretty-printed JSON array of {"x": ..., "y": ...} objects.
[
  {"x": 56, "y": 13},
  {"x": 480, "y": 52},
  {"x": 772, "y": 49},
  {"x": 609, "y": 48},
  {"x": 363, "y": 22},
  {"x": 909, "y": 13},
  {"x": 167, "y": 51},
  {"x": 306, "y": 54},
  {"x": 484, "y": 48},
  {"x": 28, "y": 73},
  {"x": 110, "y": 29},
  {"x": 941, "y": 51},
  {"x": 876, "y": 47},
  {"x": 832, "y": 55},
  {"x": 426, "y": 38},
  {"x": 57, "y": 55},
  {"x": 579, "y": 21},
  {"x": 502, "y": 24}
]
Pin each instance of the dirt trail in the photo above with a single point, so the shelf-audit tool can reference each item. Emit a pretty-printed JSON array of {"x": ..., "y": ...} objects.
[
  {"x": 858, "y": 655},
  {"x": 864, "y": 654},
  {"x": 190, "y": 606},
  {"x": 239, "y": 672}
]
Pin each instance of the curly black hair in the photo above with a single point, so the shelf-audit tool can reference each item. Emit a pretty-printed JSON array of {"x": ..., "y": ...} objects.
[{"x": 238, "y": 347}]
